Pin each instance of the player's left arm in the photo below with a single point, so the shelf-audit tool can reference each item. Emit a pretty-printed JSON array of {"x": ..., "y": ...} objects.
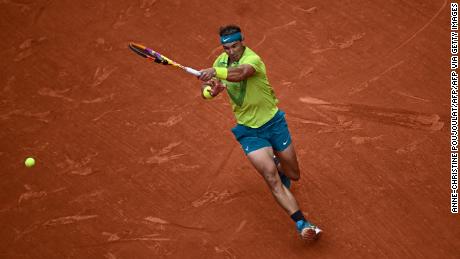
[{"x": 216, "y": 87}]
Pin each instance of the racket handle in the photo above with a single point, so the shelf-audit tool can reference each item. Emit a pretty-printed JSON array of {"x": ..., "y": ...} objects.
[{"x": 192, "y": 71}]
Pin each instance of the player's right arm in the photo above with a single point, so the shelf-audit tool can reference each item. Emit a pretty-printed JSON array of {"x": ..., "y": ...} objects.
[{"x": 249, "y": 68}]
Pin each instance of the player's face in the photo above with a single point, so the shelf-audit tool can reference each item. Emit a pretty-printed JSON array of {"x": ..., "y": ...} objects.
[{"x": 234, "y": 50}]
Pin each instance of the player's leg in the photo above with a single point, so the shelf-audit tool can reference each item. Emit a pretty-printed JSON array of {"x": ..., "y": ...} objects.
[
  {"x": 280, "y": 139},
  {"x": 256, "y": 144},
  {"x": 289, "y": 163},
  {"x": 262, "y": 160},
  {"x": 284, "y": 179},
  {"x": 260, "y": 154}
]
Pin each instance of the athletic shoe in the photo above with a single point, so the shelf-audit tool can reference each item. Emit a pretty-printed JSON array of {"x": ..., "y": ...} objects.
[
  {"x": 307, "y": 231},
  {"x": 284, "y": 179}
]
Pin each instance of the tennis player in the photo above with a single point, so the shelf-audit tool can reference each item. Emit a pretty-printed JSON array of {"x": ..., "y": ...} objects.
[{"x": 261, "y": 127}]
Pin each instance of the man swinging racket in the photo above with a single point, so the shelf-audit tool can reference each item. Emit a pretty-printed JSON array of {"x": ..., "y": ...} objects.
[{"x": 261, "y": 127}]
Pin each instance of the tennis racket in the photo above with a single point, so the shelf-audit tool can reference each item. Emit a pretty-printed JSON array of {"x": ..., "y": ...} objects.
[{"x": 158, "y": 58}]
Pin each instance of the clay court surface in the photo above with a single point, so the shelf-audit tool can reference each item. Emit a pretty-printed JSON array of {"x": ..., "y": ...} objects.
[{"x": 132, "y": 163}]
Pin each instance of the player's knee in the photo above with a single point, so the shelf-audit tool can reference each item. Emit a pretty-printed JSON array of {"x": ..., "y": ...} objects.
[
  {"x": 272, "y": 181},
  {"x": 296, "y": 174},
  {"x": 276, "y": 186},
  {"x": 293, "y": 174}
]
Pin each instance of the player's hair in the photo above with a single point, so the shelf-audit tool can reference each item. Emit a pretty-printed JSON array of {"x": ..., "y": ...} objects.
[{"x": 229, "y": 29}]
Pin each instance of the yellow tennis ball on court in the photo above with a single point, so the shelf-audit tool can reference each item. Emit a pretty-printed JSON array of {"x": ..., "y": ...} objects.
[
  {"x": 29, "y": 162},
  {"x": 206, "y": 92}
]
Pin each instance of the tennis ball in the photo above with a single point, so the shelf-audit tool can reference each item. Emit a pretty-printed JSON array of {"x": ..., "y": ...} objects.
[
  {"x": 29, "y": 162},
  {"x": 206, "y": 92}
]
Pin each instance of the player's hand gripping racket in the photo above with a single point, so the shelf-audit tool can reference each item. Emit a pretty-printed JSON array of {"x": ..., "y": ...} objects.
[{"x": 158, "y": 58}]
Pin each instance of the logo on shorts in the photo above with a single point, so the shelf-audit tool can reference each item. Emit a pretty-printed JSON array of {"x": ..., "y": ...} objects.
[
  {"x": 247, "y": 148},
  {"x": 285, "y": 142}
]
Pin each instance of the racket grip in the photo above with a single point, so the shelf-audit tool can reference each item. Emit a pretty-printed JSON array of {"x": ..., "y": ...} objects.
[{"x": 192, "y": 71}]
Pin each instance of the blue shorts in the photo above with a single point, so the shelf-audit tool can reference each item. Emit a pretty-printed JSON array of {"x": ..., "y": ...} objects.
[{"x": 274, "y": 133}]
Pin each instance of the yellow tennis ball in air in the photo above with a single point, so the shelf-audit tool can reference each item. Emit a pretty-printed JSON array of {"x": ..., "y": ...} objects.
[
  {"x": 29, "y": 162},
  {"x": 206, "y": 92}
]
